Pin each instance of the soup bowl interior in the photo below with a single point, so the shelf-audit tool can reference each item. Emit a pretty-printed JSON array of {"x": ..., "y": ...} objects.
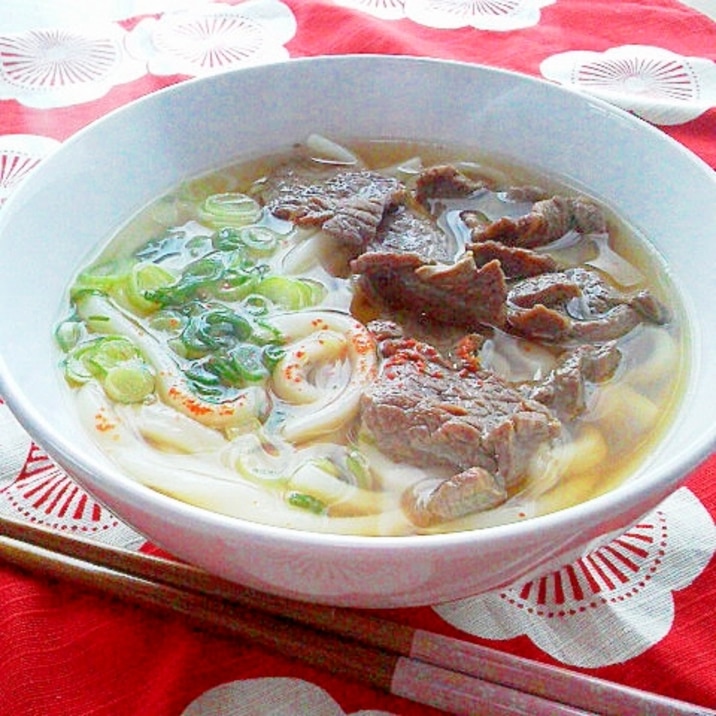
[{"x": 59, "y": 218}]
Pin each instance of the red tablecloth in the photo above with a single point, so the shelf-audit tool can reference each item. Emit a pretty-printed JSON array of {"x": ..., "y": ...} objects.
[{"x": 645, "y": 621}]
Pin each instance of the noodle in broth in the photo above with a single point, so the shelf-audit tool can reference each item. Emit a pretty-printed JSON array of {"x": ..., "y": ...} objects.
[{"x": 233, "y": 346}]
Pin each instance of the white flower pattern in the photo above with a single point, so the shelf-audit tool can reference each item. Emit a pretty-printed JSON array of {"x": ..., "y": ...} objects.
[
  {"x": 19, "y": 155},
  {"x": 660, "y": 86},
  {"x": 21, "y": 15},
  {"x": 62, "y": 66},
  {"x": 34, "y": 489},
  {"x": 624, "y": 588},
  {"x": 72, "y": 64},
  {"x": 494, "y": 15},
  {"x": 269, "y": 697},
  {"x": 214, "y": 38}
]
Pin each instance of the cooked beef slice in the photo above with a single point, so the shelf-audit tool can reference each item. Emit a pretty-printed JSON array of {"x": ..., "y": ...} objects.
[
  {"x": 445, "y": 182},
  {"x": 460, "y": 294},
  {"x": 539, "y": 323},
  {"x": 348, "y": 204},
  {"x": 551, "y": 289},
  {"x": 525, "y": 193},
  {"x": 576, "y": 305},
  {"x": 355, "y": 220},
  {"x": 406, "y": 231},
  {"x": 385, "y": 330},
  {"x": 549, "y": 220},
  {"x": 564, "y": 390},
  {"x": 458, "y": 348},
  {"x": 649, "y": 307},
  {"x": 422, "y": 411},
  {"x": 515, "y": 262},
  {"x": 432, "y": 502}
]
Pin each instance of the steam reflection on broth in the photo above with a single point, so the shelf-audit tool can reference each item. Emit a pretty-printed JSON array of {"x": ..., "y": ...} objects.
[{"x": 234, "y": 344}]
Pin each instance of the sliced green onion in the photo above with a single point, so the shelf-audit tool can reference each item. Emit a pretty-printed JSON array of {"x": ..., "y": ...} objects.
[
  {"x": 76, "y": 365},
  {"x": 243, "y": 364},
  {"x": 199, "y": 246},
  {"x": 264, "y": 333},
  {"x": 227, "y": 239},
  {"x": 197, "y": 189},
  {"x": 205, "y": 383},
  {"x": 250, "y": 363},
  {"x": 68, "y": 334},
  {"x": 168, "y": 321},
  {"x": 237, "y": 282},
  {"x": 129, "y": 383},
  {"x": 291, "y": 293},
  {"x": 143, "y": 278},
  {"x": 272, "y": 355},
  {"x": 254, "y": 239},
  {"x": 257, "y": 459},
  {"x": 105, "y": 277},
  {"x": 109, "y": 352},
  {"x": 259, "y": 240},
  {"x": 306, "y": 502},
  {"x": 211, "y": 328},
  {"x": 116, "y": 362},
  {"x": 219, "y": 275},
  {"x": 229, "y": 209},
  {"x": 320, "y": 479},
  {"x": 162, "y": 247},
  {"x": 359, "y": 470},
  {"x": 256, "y": 305}
]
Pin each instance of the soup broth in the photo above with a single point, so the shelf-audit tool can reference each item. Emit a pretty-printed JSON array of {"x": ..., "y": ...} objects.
[{"x": 375, "y": 338}]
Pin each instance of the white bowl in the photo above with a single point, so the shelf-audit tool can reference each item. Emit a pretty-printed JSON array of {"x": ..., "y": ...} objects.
[{"x": 57, "y": 219}]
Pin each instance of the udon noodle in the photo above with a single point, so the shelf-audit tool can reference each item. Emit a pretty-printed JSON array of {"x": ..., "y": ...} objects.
[{"x": 300, "y": 340}]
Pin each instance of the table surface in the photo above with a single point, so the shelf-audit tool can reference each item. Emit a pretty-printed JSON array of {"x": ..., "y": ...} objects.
[{"x": 67, "y": 651}]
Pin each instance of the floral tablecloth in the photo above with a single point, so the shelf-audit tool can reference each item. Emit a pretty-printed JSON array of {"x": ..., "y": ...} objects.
[{"x": 638, "y": 611}]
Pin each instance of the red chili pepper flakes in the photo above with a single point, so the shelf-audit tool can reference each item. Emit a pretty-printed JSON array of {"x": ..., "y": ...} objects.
[
  {"x": 293, "y": 373},
  {"x": 103, "y": 423},
  {"x": 192, "y": 405},
  {"x": 467, "y": 351}
]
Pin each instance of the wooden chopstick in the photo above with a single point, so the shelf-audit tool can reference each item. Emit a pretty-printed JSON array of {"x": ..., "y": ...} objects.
[
  {"x": 418, "y": 681},
  {"x": 447, "y": 673}
]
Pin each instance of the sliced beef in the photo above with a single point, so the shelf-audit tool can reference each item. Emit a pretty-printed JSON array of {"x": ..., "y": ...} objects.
[
  {"x": 348, "y": 204},
  {"x": 550, "y": 289},
  {"x": 355, "y": 220},
  {"x": 460, "y": 294},
  {"x": 406, "y": 231},
  {"x": 564, "y": 390},
  {"x": 515, "y": 262},
  {"x": 649, "y": 307},
  {"x": 425, "y": 412},
  {"x": 432, "y": 502},
  {"x": 549, "y": 220},
  {"x": 577, "y": 305},
  {"x": 525, "y": 193},
  {"x": 445, "y": 182},
  {"x": 539, "y": 323},
  {"x": 384, "y": 330}
]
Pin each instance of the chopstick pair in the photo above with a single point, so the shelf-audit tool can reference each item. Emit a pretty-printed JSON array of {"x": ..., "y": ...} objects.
[{"x": 449, "y": 674}]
